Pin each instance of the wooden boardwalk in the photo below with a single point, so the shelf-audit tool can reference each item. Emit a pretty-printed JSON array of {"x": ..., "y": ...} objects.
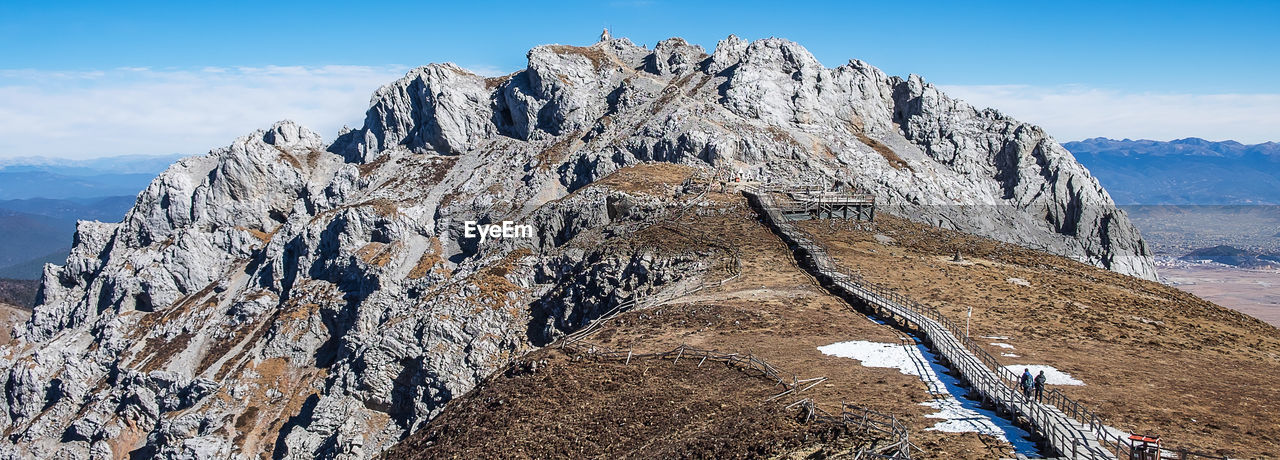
[
  {"x": 1064, "y": 435},
  {"x": 803, "y": 203}
]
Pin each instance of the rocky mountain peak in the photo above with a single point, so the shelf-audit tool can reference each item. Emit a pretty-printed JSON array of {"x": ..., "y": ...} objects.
[{"x": 289, "y": 297}]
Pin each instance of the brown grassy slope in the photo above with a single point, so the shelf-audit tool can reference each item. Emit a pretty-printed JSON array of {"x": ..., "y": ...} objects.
[
  {"x": 1154, "y": 359},
  {"x": 776, "y": 311},
  {"x": 607, "y": 409},
  {"x": 773, "y": 310},
  {"x": 648, "y": 178},
  {"x": 11, "y": 316}
]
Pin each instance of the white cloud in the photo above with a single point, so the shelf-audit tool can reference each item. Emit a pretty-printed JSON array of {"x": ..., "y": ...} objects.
[
  {"x": 1075, "y": 112},
  {"x": 81, "y": 114},
  {"x": 139, "y": 110}
]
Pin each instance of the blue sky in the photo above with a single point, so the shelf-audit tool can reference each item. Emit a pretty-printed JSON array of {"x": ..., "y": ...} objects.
[{"x": 1132, "y": 69}]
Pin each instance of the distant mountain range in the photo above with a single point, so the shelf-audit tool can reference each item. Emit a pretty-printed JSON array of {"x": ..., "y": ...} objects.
[
  {"x": 42, "y": 198},
  {"x": 1183, "y": 171},
  {"x": 39, "y": 230},
  {"x": 38, "y": 177},
  {"x": 123, "y": 164}
]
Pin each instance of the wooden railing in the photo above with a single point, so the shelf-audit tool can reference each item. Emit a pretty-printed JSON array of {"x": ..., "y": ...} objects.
[
  {"x": 1110, "y": 439},
  {"x": 1054, "y": 419},
  {"x": 981, "y": 370},
  {"x": 900, "y": 447}
]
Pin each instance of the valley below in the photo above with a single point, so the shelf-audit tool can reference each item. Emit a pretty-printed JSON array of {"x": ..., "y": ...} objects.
[
  {"x": 1226, "y": 254},
  {"x": 1252, "y": 292}
]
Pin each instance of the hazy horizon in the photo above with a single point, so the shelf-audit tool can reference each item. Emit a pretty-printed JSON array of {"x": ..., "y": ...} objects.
[{"x": 104, "y": 80}]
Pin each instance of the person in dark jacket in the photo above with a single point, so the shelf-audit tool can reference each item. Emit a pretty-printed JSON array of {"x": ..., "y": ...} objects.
[
  {"x": 1026, "y": 383},
  {"x": 1039, "y": 383}
]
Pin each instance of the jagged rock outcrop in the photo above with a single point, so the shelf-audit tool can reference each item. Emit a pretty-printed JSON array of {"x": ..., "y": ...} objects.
[{"x": 313, "y": 299}]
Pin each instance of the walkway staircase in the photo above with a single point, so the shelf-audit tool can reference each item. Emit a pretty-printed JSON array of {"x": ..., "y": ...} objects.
[{"x": 1064, "y": 435}]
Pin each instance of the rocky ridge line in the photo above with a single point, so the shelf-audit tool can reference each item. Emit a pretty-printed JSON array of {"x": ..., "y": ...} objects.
[{"x": 318, "y": 300}]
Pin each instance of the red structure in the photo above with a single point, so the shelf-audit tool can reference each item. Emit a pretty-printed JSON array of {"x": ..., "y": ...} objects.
[{"x": 1143, "y": 447}]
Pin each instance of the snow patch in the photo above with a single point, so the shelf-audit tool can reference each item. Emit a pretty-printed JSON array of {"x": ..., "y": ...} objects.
[
  {"x": 960, "y": 419},
  {"x": 1009, "y": 355},
  {"x": 912, "y": 361},
  {"x": 1002, "y": 345},
  {"x": 877, "y": 354},
  {"x": 1051, "y": 376},
  {"x": 994, "y": 337}
]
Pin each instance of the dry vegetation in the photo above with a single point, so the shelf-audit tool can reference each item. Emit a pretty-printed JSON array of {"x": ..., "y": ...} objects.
[
  {"x": 656, "y": 179},
  {"x": 382, "y": 206},
  {"x": 889, "y": 155},
  {"x": 781, "y": 136},
  {"x": 773, "y": 310},
  {"x": 493, "y": 283},
  {"x": 11, "y": 316},
  {"x": 264, "y": 237},
  {"x": 555, "y": 153},
  {"x": 288, "y": 158},
  {"x": 1154, "y": 359},
  {"x": 368, "y": 168},
  {"x": 264, "y": 416},
  {"x": 429, "y": 261},
  {"x": 776, "y": 311},
  {"x": 159, "y": 351},
  {"x": 376, "y": 253},
  {"x": 595, "y": 54},
  {"x": 493, "y": 83},
  {"x": 1131, "y": 341},
  {"x": 858, "y": 129},
  {"x": 556, "y": 407},
  {"x": 669, "y": 94}
]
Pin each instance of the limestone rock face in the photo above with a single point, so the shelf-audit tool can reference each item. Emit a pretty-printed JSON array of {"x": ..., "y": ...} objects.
[
  {"x": 314, "y": 299},
  {"x": 437, "y": 108}
]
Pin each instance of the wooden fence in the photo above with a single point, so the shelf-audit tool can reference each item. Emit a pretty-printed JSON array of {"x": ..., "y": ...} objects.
[
  {"x": 1065, "y": 424},
  {"x": 899, "y": 448},
  {"x": 935, "y": 328},
  {"x": 1111, "y": 439}
]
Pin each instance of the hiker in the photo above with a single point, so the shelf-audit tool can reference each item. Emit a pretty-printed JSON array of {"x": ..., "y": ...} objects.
[
  {"x": 1026, "y": 382},
  {"x": 1040, "y": 385}
]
